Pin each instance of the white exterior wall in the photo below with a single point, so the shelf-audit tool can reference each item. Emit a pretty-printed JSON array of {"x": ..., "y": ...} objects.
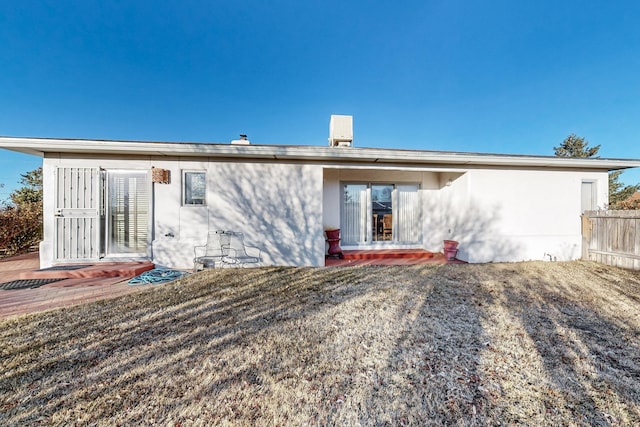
[
  {"x": 277, "y": 206},
  {"x": 503, "y": 215}
]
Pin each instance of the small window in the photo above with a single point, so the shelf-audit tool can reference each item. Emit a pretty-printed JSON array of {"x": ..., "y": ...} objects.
[
  {"x": 588, "y": 196},
  {"x": 194, "y": 188}
]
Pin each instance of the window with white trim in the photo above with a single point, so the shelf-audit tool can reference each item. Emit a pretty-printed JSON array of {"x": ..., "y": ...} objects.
[{"x": 194, "y": 188}]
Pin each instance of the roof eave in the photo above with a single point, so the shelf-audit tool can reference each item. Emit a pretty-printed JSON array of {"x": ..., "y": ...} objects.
[{"x": 40, "y": 146}]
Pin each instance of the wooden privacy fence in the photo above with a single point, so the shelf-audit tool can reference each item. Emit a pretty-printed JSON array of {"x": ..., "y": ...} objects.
[{"x": 612, "y": 238}]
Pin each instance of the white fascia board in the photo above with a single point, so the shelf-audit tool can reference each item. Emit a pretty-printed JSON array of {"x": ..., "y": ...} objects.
[
  {"x": 21, "y": 149},
  {"x": 373, "y": 156}
]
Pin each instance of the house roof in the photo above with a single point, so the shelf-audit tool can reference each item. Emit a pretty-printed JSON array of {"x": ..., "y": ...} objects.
[
  {"x": 635, "y": 196},
  {"x": 42, "y": 146}
]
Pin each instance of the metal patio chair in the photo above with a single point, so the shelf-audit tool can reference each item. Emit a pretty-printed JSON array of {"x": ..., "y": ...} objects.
[
  {"x": 238, "y": 253},
  {"x": 213, "y": 253}
]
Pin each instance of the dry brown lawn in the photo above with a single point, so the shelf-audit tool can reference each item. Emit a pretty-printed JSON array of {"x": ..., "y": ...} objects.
[{"x": 500, "y": 344}]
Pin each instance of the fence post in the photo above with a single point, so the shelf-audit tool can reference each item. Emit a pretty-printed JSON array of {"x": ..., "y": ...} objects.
[{"x": 586, "y": 235}]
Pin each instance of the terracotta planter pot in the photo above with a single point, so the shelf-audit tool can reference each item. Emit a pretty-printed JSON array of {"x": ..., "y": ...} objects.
[
  {"x": 333, "y": 234},
  {"x": 450, "y": 244},
  {"x": 450, "y": 249},
  {"x": 450, "y": 254},
  {"x": 333, "y": 238}
]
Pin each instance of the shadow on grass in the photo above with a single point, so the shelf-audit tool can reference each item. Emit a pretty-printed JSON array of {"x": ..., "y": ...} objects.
[
  {"x": 127, "y": 345},
  {"x": 432, "y": 375},
  {"x": 590, "y": 353}
]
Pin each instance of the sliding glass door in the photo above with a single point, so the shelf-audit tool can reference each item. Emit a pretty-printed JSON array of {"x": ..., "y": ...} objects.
[{"x": 380, "y": 213}]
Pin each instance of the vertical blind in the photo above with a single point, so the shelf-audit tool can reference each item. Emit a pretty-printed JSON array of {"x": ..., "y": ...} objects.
[
  {"x": 354, "y": 214},
  {"x": 407, "y": 214}
]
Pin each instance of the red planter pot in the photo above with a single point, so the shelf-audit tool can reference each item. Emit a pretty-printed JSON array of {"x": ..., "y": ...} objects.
[
  {"x": 450, "y": 249},
  {"x": 333, "y": 234},
  {"x": 333, "y": 238}
]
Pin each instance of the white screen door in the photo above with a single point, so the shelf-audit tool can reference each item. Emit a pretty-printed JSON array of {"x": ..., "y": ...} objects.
[{"x": 77, "y": 214}]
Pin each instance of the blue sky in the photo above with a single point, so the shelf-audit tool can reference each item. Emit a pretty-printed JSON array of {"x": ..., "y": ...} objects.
[{"x": 493, "y": 76}]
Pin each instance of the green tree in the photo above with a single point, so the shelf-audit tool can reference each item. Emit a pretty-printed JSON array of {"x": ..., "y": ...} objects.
[
  {"x": 31, "y": 192},
  {"x": 21, "y": 221},
  {"x": 620, "y": 193},
  {"x": 577, "y": 146}
]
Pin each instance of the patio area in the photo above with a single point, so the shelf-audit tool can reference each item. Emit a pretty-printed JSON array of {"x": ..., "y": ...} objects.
[{"x": 71, "y": 286}]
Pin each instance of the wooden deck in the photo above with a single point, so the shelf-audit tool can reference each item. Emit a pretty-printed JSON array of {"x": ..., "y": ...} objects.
[
  {"x": 390, "y": 257},
  {"x": 91, "y": 283}
]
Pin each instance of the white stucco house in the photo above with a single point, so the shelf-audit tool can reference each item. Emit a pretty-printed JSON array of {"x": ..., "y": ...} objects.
[{"x": 117, "y": 200}]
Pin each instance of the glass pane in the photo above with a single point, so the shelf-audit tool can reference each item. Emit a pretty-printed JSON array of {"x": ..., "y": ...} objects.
[
  {"x": 128, "y": 212},
  {"x": 195, "y": 188},
  {"x": 382, "y": 212},
  {"x": 354, "y": 214}
]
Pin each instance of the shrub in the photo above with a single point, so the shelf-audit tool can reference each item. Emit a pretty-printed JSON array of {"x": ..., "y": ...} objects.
[{"x": 20, "y": 227}]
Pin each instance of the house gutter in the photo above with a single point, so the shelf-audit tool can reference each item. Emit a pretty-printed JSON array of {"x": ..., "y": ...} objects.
[{"x": 42, "y": 146}]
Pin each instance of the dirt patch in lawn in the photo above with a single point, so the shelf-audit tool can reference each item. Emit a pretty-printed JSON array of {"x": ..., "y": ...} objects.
[{"x": 530, "y": 343}]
